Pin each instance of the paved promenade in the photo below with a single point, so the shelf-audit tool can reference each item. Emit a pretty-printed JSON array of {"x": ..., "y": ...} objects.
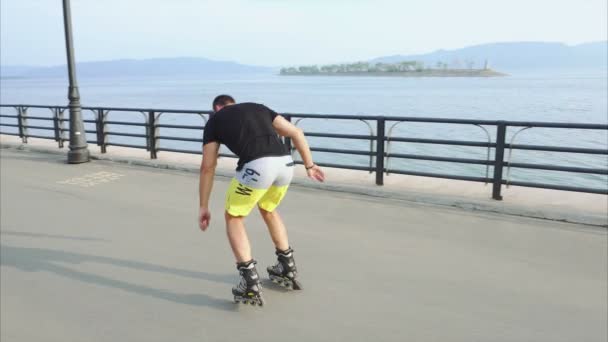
[{"x": 111, "y": 252}]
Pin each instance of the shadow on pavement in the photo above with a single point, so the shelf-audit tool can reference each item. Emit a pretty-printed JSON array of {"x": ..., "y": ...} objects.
[
  {"x": 51, "y": 158},
  {"x": 37, "y": 259},
  {"x": 51, "y": 236}
]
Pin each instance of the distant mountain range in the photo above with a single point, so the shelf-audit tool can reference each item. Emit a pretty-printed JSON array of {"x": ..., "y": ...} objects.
[
  {"x": 500, "y": 56},
  {"x": 134, "y": 67},
  {"x": 514, "y": 56}
]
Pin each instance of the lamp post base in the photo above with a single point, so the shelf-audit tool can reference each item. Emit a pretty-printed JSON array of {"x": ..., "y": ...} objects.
[{"x": 78, "y": 156}]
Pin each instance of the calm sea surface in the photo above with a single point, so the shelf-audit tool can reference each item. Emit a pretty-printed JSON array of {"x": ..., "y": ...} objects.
[{"x": 578, "y": 96}]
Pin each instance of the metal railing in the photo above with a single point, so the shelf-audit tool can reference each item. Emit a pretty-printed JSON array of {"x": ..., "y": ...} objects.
[{"x": 379, "y": 157}]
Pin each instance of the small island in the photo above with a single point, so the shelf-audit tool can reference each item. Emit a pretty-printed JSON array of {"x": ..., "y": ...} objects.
[{"x": 401, "y": 69}]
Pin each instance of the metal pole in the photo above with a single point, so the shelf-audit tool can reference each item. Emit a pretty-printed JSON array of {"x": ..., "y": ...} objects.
[
  {"x": 79, "y": 153},
  {"x": 20, "y": 124},
  {"x": 56, "y": 125},
  {"x": 380, "y": 150},
  {"x": 152, "y": 134},
  {"x": 501, "y": 132}
]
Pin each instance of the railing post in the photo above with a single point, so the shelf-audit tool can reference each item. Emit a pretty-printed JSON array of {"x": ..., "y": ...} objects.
[
  {"x": 501, "y": 131},
  {"x": 56, "y": 126},
  {"x": 102, "y": 130},
  {"x": 287, "y": 139},
  {"x": 380, "y": 150},
  {"x": 60, "y": 126},
  {"x": 22, "y": 121},
  {"x": 98, "y": 128},
  {"x": 151, "y": 130},
  {"x": 19, "y": 124}
]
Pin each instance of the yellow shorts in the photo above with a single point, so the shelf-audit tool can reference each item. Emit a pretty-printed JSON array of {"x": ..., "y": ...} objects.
[
  {"x": 263, "y": 181},
  {"x": 241, "y": 199}
]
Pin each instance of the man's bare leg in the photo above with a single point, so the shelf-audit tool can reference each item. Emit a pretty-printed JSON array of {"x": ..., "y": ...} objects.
[
  {"x": 284, "y": 272},
  {"x": 237, "y": 236},
  {"x": 276, "y": 228},
  {"x": 249, "y": 289}
]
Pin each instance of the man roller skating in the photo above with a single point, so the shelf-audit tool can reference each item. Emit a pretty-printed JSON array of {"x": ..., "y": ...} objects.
[{"x": 264, "y": 171}]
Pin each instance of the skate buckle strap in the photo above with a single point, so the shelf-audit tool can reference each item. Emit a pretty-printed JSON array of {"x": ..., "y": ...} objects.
[
  {"x": 286, "y": 252},
  {"x": 246, "y": 264}
]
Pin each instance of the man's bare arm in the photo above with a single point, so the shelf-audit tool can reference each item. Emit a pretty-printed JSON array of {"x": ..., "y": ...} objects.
[
  {"x": 286, "y": 129},
  {"x": 210, "y": 152},
  {"x": 208, "y": 165}
]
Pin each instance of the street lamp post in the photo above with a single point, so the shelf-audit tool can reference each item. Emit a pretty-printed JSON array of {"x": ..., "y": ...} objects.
[{"x": 79, "y": 153}]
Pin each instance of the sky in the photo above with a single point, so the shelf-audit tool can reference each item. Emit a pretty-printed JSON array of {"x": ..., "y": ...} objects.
[{"x": 285, "y": 32}]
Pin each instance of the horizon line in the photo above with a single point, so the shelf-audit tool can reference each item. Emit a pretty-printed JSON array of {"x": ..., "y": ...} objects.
[{"x": 279, "y": 66}]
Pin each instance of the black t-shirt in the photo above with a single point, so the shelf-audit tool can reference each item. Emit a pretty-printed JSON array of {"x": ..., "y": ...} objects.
[{"x": 246, "y": 129}]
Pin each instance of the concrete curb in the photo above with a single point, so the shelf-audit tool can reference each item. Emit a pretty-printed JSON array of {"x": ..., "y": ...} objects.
[{"x": 465, "y": 203}]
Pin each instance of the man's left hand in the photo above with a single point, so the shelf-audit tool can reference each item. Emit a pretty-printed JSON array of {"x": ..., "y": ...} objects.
[{"x": 204, "y": 217}]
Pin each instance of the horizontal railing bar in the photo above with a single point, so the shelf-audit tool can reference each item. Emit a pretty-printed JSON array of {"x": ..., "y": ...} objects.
[
  {"x": 443, "y": 142},
  {"x": 31, "y": 106},
  {"x": 351, "y": 117},
  {"x": 394, "y": 118},
  {"x": 558, "y": 168},
  {"x": 7, "y": 133},
  {"x": 177, "y": 150},
  {"x": 440, "y": 175},
  {"x": 120, "y": 109},
  {"x": 126, "y": 123},
  {"x": 557, "y": 149},
  {"x": 125, "y": 145},
  {"x": 9, "y": 125},
  {"x": 39, "y": 136},
  {"x": 38, "y": 127},
  {"x": 179, "y": 126},
  {"x": 293, "y": 115},
  {"x": 557, "y": 187},
  {"x": 556, "y": 125},
  {"x": 38, "y": 118},
  {"x": 331, "y": 116},
  {"x": 169, "y": 111},
  {"x": 9, "y": 116},
  {"x": 442, "y": 120},
  {"x": 179, "y": 139},
  {"x": 134, "y": 135},
  {"x": 340, "y": 166},
  {"x": 340, "y": 136},
  {"x": 441, "y": 159},
  {"x": 340, "y": 151},
  {"x": 226, "y": 155}
]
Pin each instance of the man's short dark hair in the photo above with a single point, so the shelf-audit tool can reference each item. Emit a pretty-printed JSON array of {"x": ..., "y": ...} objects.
[{"x": 222, "y": 100}]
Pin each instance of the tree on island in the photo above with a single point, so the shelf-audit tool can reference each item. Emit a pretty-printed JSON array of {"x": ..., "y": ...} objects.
[{"x": 366, "y": 67}]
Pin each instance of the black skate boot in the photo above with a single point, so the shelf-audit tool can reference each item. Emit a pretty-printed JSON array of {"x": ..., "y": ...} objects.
[
  {"x": 284, "y": 272},
  {"x": 249, "y": 288}
]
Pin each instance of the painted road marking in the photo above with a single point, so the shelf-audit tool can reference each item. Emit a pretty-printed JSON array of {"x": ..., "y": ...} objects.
[{"x": 92, "y": 179}]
